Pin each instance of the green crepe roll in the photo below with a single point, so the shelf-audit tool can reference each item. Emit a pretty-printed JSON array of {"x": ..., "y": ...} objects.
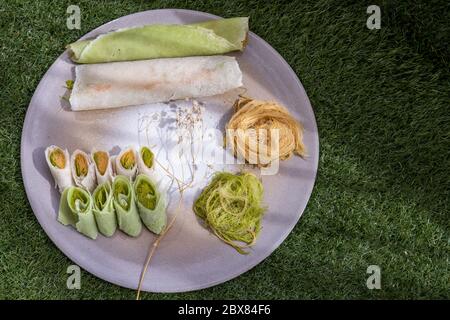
[
  {"x": 75, "y": 209},
  {"x": 151, "y": 204},
  {"x": 125, "y": 206},
  {"x": 163, "y": 41},
  {"x": 103, "y": 209}
]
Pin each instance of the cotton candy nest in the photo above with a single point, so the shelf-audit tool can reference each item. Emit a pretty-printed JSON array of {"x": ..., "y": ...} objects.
[
  {"x": 249, "y": 132},
  {"x": 231, "y": 207}
]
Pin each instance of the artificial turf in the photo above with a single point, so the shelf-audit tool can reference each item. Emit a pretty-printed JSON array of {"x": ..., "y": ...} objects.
[{"x": 381, "y": 99}]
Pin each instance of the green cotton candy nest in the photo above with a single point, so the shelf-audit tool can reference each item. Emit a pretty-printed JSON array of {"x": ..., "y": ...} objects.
[{"x": 231, "y": 206}]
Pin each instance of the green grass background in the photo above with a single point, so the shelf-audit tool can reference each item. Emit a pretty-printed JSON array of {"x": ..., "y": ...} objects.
[{"x": 381, "y": 99}]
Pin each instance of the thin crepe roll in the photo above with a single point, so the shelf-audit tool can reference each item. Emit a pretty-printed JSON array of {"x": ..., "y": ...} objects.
[
  {"x": 151, "y": 204},
  {"x": 125, "y": 206},
  {"x": 75, "y": 209},
  {"x": 103, "y": 167},
  {"x": 146, "y": 163},
  {"x": 58, "y": 163},
  {"x": 125, "y": 163},
  {"x": 103, "y": 209},
  {"x": 83, "y": 170},
  {"x": 163, "y": 41},
  {"x": 129, "y": 83}
]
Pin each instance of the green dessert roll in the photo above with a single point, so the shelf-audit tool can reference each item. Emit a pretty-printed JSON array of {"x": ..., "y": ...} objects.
[
  {"x": 146, "y": 165},
  {"x": 75, "y": 209},
  {"x": 163, "y": 41},
  {"x": 103, "y": 209},
  {"x": 125, "y": 206},
  {"x": 151, "y": 204}
]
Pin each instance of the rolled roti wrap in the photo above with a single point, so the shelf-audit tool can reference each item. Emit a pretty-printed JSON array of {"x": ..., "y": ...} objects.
[
  {"x": 146, "y": 163},
  {"x": 125, "y": 206},
  {"x": 59, "y": 165},
  {"x": 126, "y": 163},
  {"x": 103, "y": 209},
  {"x": 103, "y": 167},
  {"x": 83, "y": 170},
  {"x": 118, "y": 84},
  {"x": 163, "y": 41},
  {"x": 151, "y": 204},
  {"x": 75, "y": 209}
]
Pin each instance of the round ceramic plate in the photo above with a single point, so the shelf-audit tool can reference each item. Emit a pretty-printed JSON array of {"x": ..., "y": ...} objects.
[{"x": 190, "y": 257}]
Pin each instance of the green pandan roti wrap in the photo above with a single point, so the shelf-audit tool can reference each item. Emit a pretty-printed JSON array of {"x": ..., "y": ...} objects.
[
  {"x": 151, "y": 204},
  {"x": 125, "y": 206},
  {"x": 75, "y": 209},
  {"x": 103, "y": 209},
  {"x": 163, "y": 41}
]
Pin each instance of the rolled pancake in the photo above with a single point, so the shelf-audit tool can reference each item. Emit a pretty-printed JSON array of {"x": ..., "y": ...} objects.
[
  {"x": 151, "y": 204},
  {"x": 59, "y": 167},
  {"x": 124, "y": 202},
  {"x": 145, "y": 162},
  {"x": 83, "y": 170},
  {"x": 146, "y": 166},
  {"x": 103, "y": 166},
  {"x": 118, "y": 84},
  {"x": 75, "y": 208},
  {"x": 128, "y": 157},
  {"x": 163, "y": 41},
  {"x": 103, "y": 209}
]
